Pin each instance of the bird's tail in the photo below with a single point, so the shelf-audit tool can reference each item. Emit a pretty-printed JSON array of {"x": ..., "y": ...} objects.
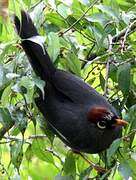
[{"x": 36, "y": 53}]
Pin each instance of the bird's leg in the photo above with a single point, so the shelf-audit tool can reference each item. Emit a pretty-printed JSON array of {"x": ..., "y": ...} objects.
[{"x": 96, "y": 167}]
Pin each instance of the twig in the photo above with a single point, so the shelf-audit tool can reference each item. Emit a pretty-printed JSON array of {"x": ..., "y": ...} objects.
[
  {"x": 27, "y": 140},
  {"x": 126, "y": 34},
  {"x": 61, "y": 33},
  {"x": 133, "y": 131},
  {"x": 90, "y": 72},
  {"x": 106, "y": 78},
  {"x": 122, "y": 33},
  {"x": 129, "y": 60},
  {"x": 86, "y": 61},
  {"x": 96, "y": 61},
  {"x": 14, "y": 138},
  {"x": 6, "y": 142},
  {"x": 37, "y": 136},
  {"x": 55, "y": 154},
  {"x": 96, "y": 167},
  {"x": 129, "y": 31},
  {"x": 108, "y": 67},
  {"x": 98, "y": 58},
  {"x": 90, "y": 7}
]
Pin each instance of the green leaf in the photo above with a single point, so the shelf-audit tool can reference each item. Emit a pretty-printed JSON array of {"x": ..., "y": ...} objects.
[
  {"x": 123, "y": 76},
  {"x": 132, "y": 121},
  {"x": 77, "y": 8},
  {"x": 20, "y": 120},
  {"x": 3, "y": 80},
  {"x": 37, "y": 14},
  {"x": 16, "y": 177},
  {"x": 125, "y": 169},
  {"x": 64, "y": 43},
  {"x": 74, "y": 63},
  {"x": 5, "y": 117},
  {"x": 56, "y": 19},
  {"x": 133, "y": 156},
  {"x": 100, "y": 36},
  {"x": 98, "y": 17},
  {"x": 63, "y": 10},
  {"x": 85, "y": 174},
  {"x": 112, "y": 149},
  {"x": 6, "y": 95},
  {"x": 130, "y": 99},
  {"x": 71, "y": 20},
  {"x": 112, "y": 73},
  {"x": 6, "y": 121},
  {"x": 69, "y": 165},
  {"x": 102, "y": 81},
  {"x": 38, "y": 149},
  {"x": 108, "y": 10},
  {"x": 44, "y": 127},
  {"x": 40, "y": 84},
  {"x": 29, "y": 153},
  {"x": 5, "y": 50},
  {"x": 132, "y": 116},
  {"x": 59, "y": 177},
  {"x": 2, "y": 76},
  {"x": 81, "y": 164},
  {"x": 28, "y": 83},
  {"x": 16, "y": 153},
  {"x": 86, "y": 2},
  {"x": 53, "y": 46}
]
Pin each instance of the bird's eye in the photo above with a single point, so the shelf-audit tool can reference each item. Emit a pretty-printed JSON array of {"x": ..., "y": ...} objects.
[{"x": 101, "y": 124}]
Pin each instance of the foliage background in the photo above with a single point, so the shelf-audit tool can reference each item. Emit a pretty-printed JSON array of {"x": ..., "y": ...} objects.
[{"x": 94, "y": 40}]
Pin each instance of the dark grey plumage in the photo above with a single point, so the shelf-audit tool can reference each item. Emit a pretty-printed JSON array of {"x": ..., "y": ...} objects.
[{"x": 67, "y": 99}]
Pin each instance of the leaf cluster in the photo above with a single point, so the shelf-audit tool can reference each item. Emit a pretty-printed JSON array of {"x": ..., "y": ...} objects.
[{"x": 94, "y": 40}]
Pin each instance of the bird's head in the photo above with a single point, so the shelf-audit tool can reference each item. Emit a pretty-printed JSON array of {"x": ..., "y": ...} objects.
[{"x": 104, "y": 118}]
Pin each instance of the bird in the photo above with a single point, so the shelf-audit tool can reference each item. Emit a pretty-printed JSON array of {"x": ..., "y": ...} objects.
[{"x": 81, "y": 117}]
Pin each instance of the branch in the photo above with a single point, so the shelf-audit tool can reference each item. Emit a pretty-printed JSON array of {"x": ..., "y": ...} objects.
[
  {"x": 87, "y": 37},
  {"x": 125, "y": 32},
  {"x": 96, "y": 167},
  {"x": 37, "y": 136},
  {"x": 128, "y": 61},
  {"x": 108, "y": 67},
  {"x": 129, "y": 31},
  {"x": 14, "y": 138},
  {"x": 90, "y": 7}
]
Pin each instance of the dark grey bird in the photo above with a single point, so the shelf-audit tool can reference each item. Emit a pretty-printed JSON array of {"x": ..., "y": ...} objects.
[{"x": 81, "y": 117}]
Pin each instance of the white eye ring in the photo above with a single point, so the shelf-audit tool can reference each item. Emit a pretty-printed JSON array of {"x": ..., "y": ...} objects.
[{"x": 101, "y": 126}]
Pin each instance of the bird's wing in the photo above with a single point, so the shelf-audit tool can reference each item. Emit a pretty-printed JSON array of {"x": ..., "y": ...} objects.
[{"x": 75, "y": 88}]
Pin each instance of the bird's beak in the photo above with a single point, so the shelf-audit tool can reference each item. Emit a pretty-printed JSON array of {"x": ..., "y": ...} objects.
[{"x": 120, "y": 122}]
